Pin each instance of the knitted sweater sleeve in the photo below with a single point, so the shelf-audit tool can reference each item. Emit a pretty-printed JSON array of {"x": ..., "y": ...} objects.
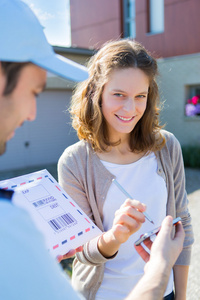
[
  {"x": 72, "y": 177},
  {"x": 182, "y": 206},
  {"x": 178, "y": 195}
]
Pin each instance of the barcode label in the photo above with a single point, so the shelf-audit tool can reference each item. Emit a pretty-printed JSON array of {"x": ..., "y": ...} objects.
[
  {"x": 62, "y": 222},
  {"x": 44, "y": 201}
]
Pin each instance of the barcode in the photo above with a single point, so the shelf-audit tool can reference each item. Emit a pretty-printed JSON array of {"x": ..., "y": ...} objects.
[
  {"x": 44, "y": 201},
  {"x": 62, "y": 222}
]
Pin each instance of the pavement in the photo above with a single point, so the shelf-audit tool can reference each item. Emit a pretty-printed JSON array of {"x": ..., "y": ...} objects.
[{"x": 193, "y": 190}]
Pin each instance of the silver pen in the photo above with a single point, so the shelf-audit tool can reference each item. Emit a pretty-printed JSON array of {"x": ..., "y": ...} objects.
[{"x": 129, "y": 196}]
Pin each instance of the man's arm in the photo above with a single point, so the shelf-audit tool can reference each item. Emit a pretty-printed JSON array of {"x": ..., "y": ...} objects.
[{"x": 164, "y": 253}]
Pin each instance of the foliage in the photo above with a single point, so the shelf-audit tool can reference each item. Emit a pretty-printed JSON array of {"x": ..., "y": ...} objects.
[
  {"x": 192, "y": 107},
  {"x": 191, "y": 156},
  {"x": 67, "y": 265}
]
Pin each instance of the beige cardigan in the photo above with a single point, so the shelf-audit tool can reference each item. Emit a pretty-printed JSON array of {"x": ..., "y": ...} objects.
[{"x": 86, "y": 180}]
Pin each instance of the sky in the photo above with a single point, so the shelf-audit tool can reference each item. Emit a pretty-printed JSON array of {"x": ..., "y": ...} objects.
[{"x": 54, "y": 16}]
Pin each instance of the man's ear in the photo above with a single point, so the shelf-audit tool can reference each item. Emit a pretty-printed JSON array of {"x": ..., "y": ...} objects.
[
  {"x": 1, "y": 68},
  {"x": 2, "y": 80}
]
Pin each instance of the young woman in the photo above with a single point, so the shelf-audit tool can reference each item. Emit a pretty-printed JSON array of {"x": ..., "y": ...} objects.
[{"x": 116, "y": 115}]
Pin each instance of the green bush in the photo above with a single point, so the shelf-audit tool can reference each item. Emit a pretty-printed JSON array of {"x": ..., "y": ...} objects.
[
  {"x": 67, "y": 265},
  {"x": 191, "y": 156}
]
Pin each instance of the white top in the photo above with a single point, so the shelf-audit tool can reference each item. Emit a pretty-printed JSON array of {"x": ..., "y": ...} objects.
[{"x": 141, "y": 181}]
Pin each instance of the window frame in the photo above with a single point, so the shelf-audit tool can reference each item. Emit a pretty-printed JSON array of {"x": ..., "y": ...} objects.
[
  {"x": 150, "y": 15},
  {"x": 191, "y": 91},
  {"x": 127, "y": 20}
]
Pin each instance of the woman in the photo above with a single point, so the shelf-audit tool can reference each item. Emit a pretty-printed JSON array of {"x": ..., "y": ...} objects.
[{"x": 116, "y": 115}]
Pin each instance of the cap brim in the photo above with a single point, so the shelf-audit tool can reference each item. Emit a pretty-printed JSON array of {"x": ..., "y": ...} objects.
[{"x": 63, "y": 67}]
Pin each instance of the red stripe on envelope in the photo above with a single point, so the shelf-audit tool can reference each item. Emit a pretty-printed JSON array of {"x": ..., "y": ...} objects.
[{"x": 56, "y": 246}]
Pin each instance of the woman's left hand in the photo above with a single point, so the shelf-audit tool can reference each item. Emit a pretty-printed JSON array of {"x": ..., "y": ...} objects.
[{"x": 69, "y": 254}]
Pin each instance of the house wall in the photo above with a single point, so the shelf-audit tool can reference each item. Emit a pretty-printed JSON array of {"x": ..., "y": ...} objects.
[
  {"x": 94, "y": 22},
  {"x": 41, "y": 142},
  {"x": 182, "y": 26},
  {"x": 176, "y": 75}
]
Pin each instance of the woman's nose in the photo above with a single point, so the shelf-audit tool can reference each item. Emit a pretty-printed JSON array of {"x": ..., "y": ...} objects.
[{"x": 129, "y": 104}]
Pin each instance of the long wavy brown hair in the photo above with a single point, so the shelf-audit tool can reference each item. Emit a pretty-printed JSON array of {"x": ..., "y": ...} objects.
[{"x": 85, "y": 109}]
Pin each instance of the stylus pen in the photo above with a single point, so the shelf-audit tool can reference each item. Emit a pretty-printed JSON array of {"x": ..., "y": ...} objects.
[{"x": 129, "y": 196}]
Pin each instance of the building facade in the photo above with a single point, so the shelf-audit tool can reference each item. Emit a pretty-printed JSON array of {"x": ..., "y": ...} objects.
[
  {"x": 170, "y": 30},
  {"x": 165, "y": 27},
  {"x": 94, "y": 22}
]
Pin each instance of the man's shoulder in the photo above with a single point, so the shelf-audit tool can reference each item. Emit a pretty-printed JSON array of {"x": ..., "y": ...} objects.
[
  {"x": 9, "y": 212},
  {"x": 14, "y": 220}
]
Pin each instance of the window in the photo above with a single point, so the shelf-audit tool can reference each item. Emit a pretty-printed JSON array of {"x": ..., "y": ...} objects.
[
  {"x": 129, "y": 18},
  {"x": 192, "y": 105},
  {"x": 156, "y": 16}
]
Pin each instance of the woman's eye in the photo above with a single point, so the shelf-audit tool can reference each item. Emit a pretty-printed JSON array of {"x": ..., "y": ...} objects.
[
  {"x": 118, "y": 95},
  {"x": 141, "y": 96}
]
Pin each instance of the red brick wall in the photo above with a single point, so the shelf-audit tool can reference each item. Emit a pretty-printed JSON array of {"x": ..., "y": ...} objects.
[
  {"x": 94, "y": 22},
  {"x": 182, "y": 28}
]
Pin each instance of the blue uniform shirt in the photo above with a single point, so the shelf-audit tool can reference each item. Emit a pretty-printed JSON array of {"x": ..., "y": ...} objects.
[{"x": 27, "y": 271}]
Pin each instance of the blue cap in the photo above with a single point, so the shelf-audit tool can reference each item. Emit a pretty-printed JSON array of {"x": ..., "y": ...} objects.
[{"x": 22, "y": 40}]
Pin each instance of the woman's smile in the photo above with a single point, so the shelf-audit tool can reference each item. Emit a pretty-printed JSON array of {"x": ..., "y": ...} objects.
[{"x": 125, "y": 119}]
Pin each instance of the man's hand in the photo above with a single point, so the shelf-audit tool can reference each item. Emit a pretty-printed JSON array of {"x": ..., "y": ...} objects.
[
  {"x": 164, "y": 246},
  {"x": 164, "y": 253}
]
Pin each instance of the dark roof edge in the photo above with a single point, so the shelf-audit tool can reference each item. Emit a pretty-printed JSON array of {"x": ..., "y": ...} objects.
[{"x": 73, "y": 50}]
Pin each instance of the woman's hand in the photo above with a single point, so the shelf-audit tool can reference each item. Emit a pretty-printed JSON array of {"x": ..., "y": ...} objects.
[
  {"x": 128, "y": 219},
  {"x": 69, "y": 254}
]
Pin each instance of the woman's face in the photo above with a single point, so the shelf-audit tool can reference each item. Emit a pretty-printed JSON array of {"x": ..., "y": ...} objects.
[{"x": 124, "y": 101}]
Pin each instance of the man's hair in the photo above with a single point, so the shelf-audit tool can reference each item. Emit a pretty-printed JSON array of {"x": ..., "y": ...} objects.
[
  {"x": 12, "y": 71},
  {"x": 85, "y": 109}
]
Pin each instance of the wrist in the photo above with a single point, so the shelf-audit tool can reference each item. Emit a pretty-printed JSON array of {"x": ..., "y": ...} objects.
[
  {"x": 158, "y": 267},
  {"x": 108, "y": 245}
]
